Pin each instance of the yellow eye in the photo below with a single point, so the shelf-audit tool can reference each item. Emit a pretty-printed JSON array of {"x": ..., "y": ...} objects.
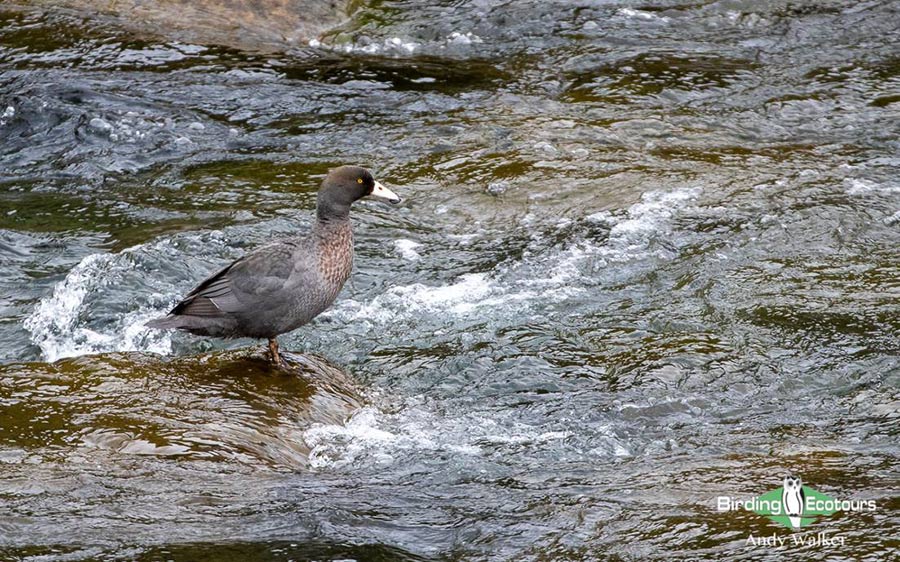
[{"x": 359, "y": 180}]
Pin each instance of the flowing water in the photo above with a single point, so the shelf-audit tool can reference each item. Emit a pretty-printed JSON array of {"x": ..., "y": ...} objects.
[{"x": 648, "y": 257}]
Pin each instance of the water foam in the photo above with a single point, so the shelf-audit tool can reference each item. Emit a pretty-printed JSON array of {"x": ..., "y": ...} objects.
[
  {"x": 390, "y": 45},
  {"x": 363, "y": 437},
  {"x": 538, "y": 277},
  {"x": 407, "y": 249},
  {"x": 469, "y": 292},
  {"x": 57, "y": 324},
  {"x": 7, "y": 115},
  {"x": 857, "y": 187},
  {"x": 631, "y": 237},
  {"x": 631, "y": 13},
  {"x": 371, "y": 436},
  {"x": 397, "y": 45}
]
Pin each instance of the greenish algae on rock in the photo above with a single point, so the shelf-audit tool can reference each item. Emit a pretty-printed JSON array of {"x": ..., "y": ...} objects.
[
  {"x": 257, "y": 25},
  {"x": 230, "y": 406}
]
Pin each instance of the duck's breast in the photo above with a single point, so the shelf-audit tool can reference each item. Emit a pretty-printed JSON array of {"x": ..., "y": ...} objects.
[
  {"x": 335, "y": 255},
  {"x": 321, "y": 272}
]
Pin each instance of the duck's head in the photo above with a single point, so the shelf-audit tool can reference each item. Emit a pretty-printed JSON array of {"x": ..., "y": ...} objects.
[{"x": 345, "y": 185}]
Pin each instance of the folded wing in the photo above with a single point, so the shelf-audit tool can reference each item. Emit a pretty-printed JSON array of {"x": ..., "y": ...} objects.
[{"x": 237, "y": 288}]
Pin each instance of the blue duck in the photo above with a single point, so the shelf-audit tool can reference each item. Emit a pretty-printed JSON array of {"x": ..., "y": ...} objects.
[{"x": 281, "y": 286}]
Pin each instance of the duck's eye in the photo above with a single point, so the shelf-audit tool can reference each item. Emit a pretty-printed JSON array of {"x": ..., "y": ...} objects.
[{"x": 358, "y": 180}]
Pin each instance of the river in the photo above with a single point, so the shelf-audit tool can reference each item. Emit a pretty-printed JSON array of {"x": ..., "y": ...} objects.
[{"x": 649, "y": 255}]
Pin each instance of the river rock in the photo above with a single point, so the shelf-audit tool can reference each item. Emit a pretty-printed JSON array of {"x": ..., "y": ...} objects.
[
  {"x": 231, "y": 406},
  {"x": 262, "y": 25}
]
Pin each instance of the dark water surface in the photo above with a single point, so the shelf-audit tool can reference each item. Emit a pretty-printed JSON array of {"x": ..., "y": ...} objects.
[{"x": 648, "y": 257}]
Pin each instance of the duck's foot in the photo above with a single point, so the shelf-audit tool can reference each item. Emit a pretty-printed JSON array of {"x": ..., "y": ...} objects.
[{"x": 275, "y": 356}]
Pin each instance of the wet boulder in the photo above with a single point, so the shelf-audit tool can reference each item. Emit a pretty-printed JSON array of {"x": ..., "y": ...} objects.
[
  {"x": 264, "y": 25},
  {"x": 228, "y": 406}
]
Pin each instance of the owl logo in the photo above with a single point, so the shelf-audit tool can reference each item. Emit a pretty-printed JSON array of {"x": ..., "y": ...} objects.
[{"x": 793, "y": 499}]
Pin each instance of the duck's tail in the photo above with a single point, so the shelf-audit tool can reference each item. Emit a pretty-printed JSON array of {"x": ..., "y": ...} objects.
[
  {"x": 170, "y": 322},
  {"x": 220, "y": 327}
]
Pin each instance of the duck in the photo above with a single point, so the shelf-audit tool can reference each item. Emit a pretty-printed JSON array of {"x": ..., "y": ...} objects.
[{"x": 280, "y": 286}]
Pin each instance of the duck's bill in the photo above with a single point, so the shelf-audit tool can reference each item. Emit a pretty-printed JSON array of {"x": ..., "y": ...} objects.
[{"x": 382, "y": 192}]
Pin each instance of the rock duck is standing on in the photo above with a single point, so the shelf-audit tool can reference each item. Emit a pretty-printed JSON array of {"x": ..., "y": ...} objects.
[{"x": 281, "y": 286}]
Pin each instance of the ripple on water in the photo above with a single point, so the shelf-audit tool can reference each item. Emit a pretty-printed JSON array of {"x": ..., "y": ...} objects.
[
  {"x": 375, "y": 437},
  {"x": 647, "y": 257},
  {"x": 544, "y": 274}
]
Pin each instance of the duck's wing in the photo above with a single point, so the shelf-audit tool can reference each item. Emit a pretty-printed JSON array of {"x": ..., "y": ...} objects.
[{"x": 242, "y": 284}]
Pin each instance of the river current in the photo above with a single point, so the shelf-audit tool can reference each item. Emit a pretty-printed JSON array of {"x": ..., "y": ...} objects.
[{"x": 648, "y": 257}]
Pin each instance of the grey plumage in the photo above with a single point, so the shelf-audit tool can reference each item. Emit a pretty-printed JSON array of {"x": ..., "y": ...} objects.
[{"x": 281, "y": 286}]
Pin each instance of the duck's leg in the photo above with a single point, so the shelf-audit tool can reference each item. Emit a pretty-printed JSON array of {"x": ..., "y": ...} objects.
[{"x": 276, "y": 357}]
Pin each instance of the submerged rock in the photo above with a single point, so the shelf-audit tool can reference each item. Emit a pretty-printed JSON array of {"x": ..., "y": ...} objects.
[
  {"x": 268, "y": 25},
  {"x": 226, "y": 406}
]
